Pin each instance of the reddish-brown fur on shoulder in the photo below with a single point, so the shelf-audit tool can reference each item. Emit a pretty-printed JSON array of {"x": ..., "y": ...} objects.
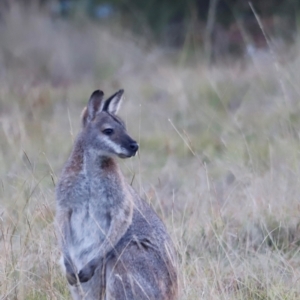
[
  {"x": 75, "y": 164},
  {"x": 108, "y": 165}
]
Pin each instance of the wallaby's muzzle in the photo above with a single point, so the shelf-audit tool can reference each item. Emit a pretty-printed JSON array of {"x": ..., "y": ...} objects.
[
  {"x": 131, "y": 149},
  {"x": 134, "y": 147}
]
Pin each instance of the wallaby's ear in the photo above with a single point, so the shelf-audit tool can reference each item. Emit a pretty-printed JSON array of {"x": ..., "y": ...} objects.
[
  {"x": 84, "y": 116},
  {"x": 113, "y": 103},
  {"x": 94, "y": 106}
]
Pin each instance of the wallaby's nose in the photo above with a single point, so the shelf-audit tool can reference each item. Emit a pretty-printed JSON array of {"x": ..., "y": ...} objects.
[{"x": 134, "y": 146}]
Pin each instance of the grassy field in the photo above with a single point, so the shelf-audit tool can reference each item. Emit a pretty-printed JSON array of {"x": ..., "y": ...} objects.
[{"x": 219, "y": 155}]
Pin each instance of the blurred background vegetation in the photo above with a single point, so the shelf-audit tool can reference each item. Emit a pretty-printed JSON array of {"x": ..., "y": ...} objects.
[
  {"x": 213, "y": 100},
  {"x": 219, "y": 26}
]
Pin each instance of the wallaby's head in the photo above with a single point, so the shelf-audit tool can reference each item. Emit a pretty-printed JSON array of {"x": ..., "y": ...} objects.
[{"x": 106, "y": 133}]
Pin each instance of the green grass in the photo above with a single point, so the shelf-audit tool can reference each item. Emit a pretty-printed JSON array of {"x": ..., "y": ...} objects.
[{"x": 219, "y": 158}]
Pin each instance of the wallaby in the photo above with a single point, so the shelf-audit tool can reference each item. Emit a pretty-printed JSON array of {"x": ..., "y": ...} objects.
[{"x": 113, "y": 244}]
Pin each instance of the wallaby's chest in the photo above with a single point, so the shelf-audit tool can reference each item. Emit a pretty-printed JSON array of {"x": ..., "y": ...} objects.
[
  {"x": 91, "y": 216},
  {"x": 93, "y": 206},
  {"x": 94, "y": 195}
]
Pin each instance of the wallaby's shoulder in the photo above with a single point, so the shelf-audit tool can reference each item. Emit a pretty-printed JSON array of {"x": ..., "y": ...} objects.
[
  {"x": 72, "y": 177},
  {"x": 75, "y": 163},
  {"x": 146, "y": 222}
]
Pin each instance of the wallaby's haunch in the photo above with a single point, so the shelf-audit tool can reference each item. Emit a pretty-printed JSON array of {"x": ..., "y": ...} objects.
[{"x": 113, "y": 244}]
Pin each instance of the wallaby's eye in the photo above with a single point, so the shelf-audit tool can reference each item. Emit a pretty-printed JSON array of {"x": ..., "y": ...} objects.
[{"x": 108, "y": 131}]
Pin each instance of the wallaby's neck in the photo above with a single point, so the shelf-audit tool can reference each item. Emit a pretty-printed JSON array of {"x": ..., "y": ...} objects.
[
  {"x": 97, "y": 164},
  {"x": 84, "y": 159},
  {"x": 94, "y": 166}
]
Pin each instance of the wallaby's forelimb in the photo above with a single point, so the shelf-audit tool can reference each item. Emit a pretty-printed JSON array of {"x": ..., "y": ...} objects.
[
  {"x": 64, "y": 238},
  {"x": 119, "y": 225}
]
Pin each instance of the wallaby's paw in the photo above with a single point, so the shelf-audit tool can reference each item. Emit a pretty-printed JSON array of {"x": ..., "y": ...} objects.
[
  {"x": 71, "y": 278},
  {"x": 70, "y": 271},
  {"x": 87, "y": 272}
]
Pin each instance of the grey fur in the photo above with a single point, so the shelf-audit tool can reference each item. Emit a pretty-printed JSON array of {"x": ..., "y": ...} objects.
[{"x": 113, "y": 244}]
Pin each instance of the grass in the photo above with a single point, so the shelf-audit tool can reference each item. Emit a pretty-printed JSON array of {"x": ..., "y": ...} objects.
[{"x": 219, "y": 158}]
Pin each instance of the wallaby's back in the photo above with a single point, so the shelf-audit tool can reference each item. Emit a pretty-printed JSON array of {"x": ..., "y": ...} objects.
[{"x": 143, "y": 260}]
